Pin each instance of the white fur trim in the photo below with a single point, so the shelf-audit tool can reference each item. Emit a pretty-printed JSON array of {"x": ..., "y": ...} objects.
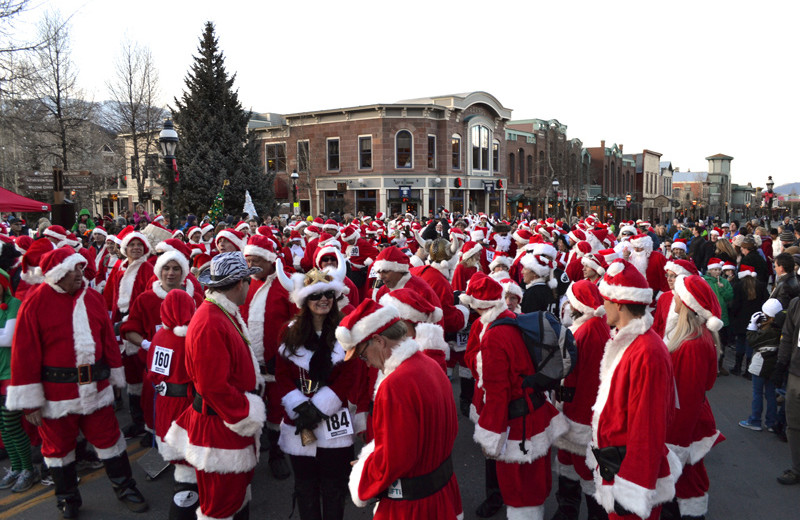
[
  {"x": 696, "y": 507},
  {"x": 431, "y": 337},
  {"x": 471, "y": 252},
  {"x": 566, "y": 470},
  {"x": 470, "y": 301},
  {"x": 54, "y": 462},
  {"x": 22, "y": 397},
  {"x": 126, "y": 284},
  {"x": 385, "y": 265},
  {"x": 402, "y": 351},
  {"x": 619, "y": 293},
  {"x": 543, "y": 248},
  {"x": 326, "y": 401},
  {"x": 290, "y": 444},
  {"x": 591, "y": 264},
  {"x": 525, "y": 513},
  {"x": 168, "y": 257},
  {"x": 465, "y": 312},
  {"x": 54, "y": 275},
  {"x": 134, "y": 389},
  {"x": 501, "y": 260},
  {"x": 490, "y": 315},
  {"x": 301, "y": 292},
  {"x": 645, "y": 242},
  {"x": 537, "y": 445},
  {"x": 117, "y": 378},
  {"x": 168, "y": 453},
  {"x": 577, "y": 437},
  {"x": 302, "y": 357},
  {"x": 677, "y": 269},
  {"x": 184, "y": 473},
  {"x": 531, "y": 263},
  {"x": 254, "y": 250},
  {"x": 89, "y": 401},
  {"x": 181, "y": 331},
  {"x": 365, "y": 327},
  {"x": 292, "y": 400},
  {"x": 251, "y": 425},
  {"x": 35, "y": 276},
  {"x": 211, "y": 460},
  {"x": 717, "y": 265},
  {"x": 227, "y": 235},
  {"x": 113, "y": 451},
  {"x": 712, "y": 322},
  {"x": 579, "y": 305},
  {"x": 407, "y": 312},
  {"x": 135, "y": 235},
  {"x": 473, "y": 414},
  {"x": 695, "y": 452},
  {"x": 357, "y": 472},
  {"x": 256, "y": 316}
]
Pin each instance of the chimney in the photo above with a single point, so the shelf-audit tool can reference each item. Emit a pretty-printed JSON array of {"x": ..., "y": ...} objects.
[
  {"x": 603, "y": 143},
  {"x": 620, "y": 148}
]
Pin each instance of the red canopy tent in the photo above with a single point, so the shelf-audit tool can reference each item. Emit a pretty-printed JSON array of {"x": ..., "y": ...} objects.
[{"x": 10, "y": 201}]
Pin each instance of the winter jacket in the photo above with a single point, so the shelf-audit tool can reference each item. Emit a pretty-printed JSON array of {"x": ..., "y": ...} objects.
[
  {"x": 743, "y": 308},
  {"x": 766, "y": 341},
  {"x": 724, "y": 295},
  {"x": 788, "y": 343},
  {"x": 786, "y": 288}
]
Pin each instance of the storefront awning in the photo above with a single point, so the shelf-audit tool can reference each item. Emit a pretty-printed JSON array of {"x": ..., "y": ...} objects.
[{"x": 516, "y": 197}]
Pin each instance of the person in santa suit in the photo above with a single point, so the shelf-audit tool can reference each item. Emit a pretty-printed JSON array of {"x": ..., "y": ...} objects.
[
  {"x": 296, "y": 248},
  {"x": 360, "y": 254},
  {"x": 516, "y": 425},
  {"x": 468, "y": 264},
  {"x": 454, "y": 317},
  {"x": 173, "y": 244},
  {"x": 649, "y": 262},
  {"x": 126, "y": 282},
  {"x": 98, "y": 245},
  {"x": 393, "y": 269},
  {"x": 693, "y": 432},
  {"x": 194, "y": 236},
  {"x": 218, "y": 434},
  {"x": 665, "y": 317},
  {"x": 266, "y": 310},
  {"x": 634, "y": 471},
  {"x": 328, "y": 258},
  {"x": 31, "y": 275},
  {"x": 512, "y": 293},
  {"x": 594, "y": 267},
  {"x": 314, "y": 383},
  {"x": 575, "y": 399},
  {"x": 408, "y": 466},
  {"x": 207, "y": 232},
  {"x": 574, "y": 267},
  {"x": 421, "y": 319},
  {"x": 165, "y": 359},
  {"x": 63, "y": 365},
  {"x": 539, "y": 284},
  {"x": 229, "y": 241}
]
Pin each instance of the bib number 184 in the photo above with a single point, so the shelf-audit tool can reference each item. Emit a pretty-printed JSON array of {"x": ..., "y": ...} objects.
[{"x": 338, "y": 424}]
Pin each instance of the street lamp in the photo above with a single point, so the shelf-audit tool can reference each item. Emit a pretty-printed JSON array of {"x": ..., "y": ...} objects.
[
  {"x": 628, "y": 204},
  {"x": 555, "y": 196},
  {"x": 168, "y": 143},
  {"x": 295, "y": 207}
]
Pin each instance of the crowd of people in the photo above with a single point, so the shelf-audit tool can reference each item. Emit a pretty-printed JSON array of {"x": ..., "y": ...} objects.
[{"x": 304, "y": 339}]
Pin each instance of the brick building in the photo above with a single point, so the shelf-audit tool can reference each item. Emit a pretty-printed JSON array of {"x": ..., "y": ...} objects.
[
  {"x": 413, "y": 155},
  {"x": 614, "y": 175}
]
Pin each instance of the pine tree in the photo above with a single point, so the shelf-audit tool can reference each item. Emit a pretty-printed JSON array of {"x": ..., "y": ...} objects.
[{"x": 214, "y": 142}]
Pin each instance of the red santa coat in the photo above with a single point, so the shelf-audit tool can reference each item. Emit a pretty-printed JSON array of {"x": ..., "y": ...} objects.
[
  {"x": 471, "y": 362},
  {"x": 430, "y": 338},
  {"x": 665, "y": 309},
  {"x": 634, "y": 405},
  {"x": 693, "y": 431},
  {"x": 56, "y": 329},
  {"x": 415, "y": 425},
  {"x": 263, "y": 295},
  {"x": 461, "y": 276},
  {"x": 223, "y": 370},
  {"x": 574, "y": 269},
  {"x": 361, "y": 254},
  {"x": 655, "y": 274},
  {"x": 329, "y": 399},
  {"x": 454, "y": 317},
  {"x": 416, "y": 284},
  {"x": 307, "y": 262}
]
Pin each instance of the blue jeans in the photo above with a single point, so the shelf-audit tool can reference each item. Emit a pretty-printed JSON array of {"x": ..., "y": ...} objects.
[
  {"x": 742, "y": 347},
  {"x": 763, "y": 387}
]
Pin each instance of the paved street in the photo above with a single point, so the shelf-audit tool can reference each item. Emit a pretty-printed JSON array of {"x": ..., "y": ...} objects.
[{"x": 742, "y": 472}]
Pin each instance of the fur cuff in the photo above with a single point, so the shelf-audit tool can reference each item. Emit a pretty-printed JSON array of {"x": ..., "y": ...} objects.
[
  {"x": 492, "y": 443},
  {"x": 357, "y": 472},
  {"x": 326, "y": 401},
  {"x": 465, "y": 311},
  {"x": 431, "y": 337},
  {"x": 525, "y": 513},
  {"x": 25, "y": 397},
  {"x": 251, "y": 425},
  {"x": 291, "y": 401},
  {"x": 695, "y": 507},
  {"x": 359, "y": 422},
  {"x": 117, "y": 378},
  {"x": 113, "y": 451}
]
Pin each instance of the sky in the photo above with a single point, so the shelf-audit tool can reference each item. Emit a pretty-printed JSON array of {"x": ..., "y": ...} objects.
[{"x": 687, "y": 79}]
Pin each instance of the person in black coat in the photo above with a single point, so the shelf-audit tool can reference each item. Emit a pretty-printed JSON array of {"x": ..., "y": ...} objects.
[
  {"x": 751, "y": 257},
  {"x": 749, "y": 294},
  {"x": 538, "y": 295},
  {"x": 437, "y": 228}
]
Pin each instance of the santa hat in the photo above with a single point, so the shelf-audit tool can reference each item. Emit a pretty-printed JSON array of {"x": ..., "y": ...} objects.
[
  {"x": 200, "y": 261},
  {"x": 177, "y": 311},
  {"x": 595, "y": 262},
  {"x": 482, "y": 292},
  {"x": 234, "y": 237},
  {"x": 679, "y": 243},
  {"x": 584, "y": 297},
  {"x": 522, "y": 235},
  {"x": 772, "y": 307},
  {"x": 312, "y": 231},
  {"x": 128, "y": 234},
  {"x": 22, "y": 243},
  {"x": 643, "y": 241},
  {"x": 380, "y": 215},
  {"x": 628, "y": 230},
  {"x": 715, "y": 263},
  {"x": 174, "y": 244},
  {"x": 367, "y": 320},
  {"x": 457, "y": 234},
  {"x": 242, "y": 226},
  {"x": 294, "y": 235},
  {"x": 511, "y": 287},
  {"x": 174, "y": 255},
  {"x": 696, "y": 294},
  {"x": 391, "y": 259},
  {"x": 206, "y": 229},
  {"x": 470, "y": 249},
  {"x": 261, "y": 246},
  {"x": 192, "y": 230},
  {"x": 477, "y": 235},
  {"x": 745, "y": 271},
  {"x": 643, "y": 223},
  {"x": 501, "y": 258},
  {"x": 728, "y": 266},
  {"x": 100, "y": 230},
  {"x": 681, "y": 267},
  {"x": 544, "y": 249},
  {"x": 541, "y": 265},
  {"x": 72, "y": 240},
  {"x": 576, "y": 235},
  {"x": 609, "y": 255},
  {"x": 31, "y": 261},
  {"x": 582, "y": 248},
  {"x": 596, "y": 237},
  {"x": 715, "y": 231},
  {"x": 177, "y": 233},
  {"x": 57, "y": 232},
  {"x": 327, "y": 240},
  {"x": 623, "y": 283},
  {"x": 331, "y": 226},
  {"x": 57, "y": 263},
  {"x": 324, "y": 251},
  {"x": 411, "y": 307},
  {"x": 350, "y": 234}
]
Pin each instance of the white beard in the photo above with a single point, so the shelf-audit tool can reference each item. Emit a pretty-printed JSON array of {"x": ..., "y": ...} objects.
[
  {"x": 640, "y": 259},
  {"x": 503, "y": 242}
]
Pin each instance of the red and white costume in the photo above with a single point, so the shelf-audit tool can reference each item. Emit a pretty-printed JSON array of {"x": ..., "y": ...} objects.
[{"x": 454, "y": 317}]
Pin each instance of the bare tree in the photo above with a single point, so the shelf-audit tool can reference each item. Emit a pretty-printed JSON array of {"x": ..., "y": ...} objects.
[{"x": 134, "y": 90}]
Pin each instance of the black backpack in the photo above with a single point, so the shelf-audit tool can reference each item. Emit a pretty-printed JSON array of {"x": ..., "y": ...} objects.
[{"x": 550, "y": 345}]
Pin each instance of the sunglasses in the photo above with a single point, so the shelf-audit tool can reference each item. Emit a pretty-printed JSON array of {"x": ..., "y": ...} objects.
[{"x": 318, "y": 296}]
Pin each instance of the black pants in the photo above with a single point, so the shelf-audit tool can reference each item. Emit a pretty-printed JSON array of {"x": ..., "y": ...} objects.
[{"x": 320, "y": 483}]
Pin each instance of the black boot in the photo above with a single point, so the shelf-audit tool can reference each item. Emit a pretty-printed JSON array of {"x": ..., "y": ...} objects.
[
  {"x": 119, "y": 473},
  {"x": 568, "y": 496},
  {"x": 467, "y": 391},
  {"x": 594, "y": 509},
  {"x": 306, "y": 496},
  {"x": 333, "y": 493},
  {"x": 243, "y": 513},
  {"x": 494, "y": 499},
  {"x": 671, "y": 511},
  {"x": 68, "y": 498},
  {"x": 184, "y": 501},
  {"x": 277, "y": 460},
  {"x": 737, "y": 365},
  {"x": 721, "y": 370},
  {"x": 136, "y": 427}
]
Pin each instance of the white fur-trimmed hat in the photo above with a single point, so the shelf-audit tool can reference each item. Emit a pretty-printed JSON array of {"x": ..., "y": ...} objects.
[
  {"x": 595, "y": 262},
  {"x": 261, "y": 246},
  {"x": 234, "y": 237},
  {"x": 175, "y": 255},
  {"x": 623, "y": 283},
  {"x": 696, "y": 294},
  {"x": 470, "y": 249},
  {"x": 58, "y": 232},
  {"x": 715, "y": 263},
  {"x": 584, "y": 297},
  {"x": 58, "y": 262},
  {"x": 642, "y": 240},
  {"x": 301, "y": 286},
  {"x": 129, "y": 234},
  {"x": 501, "y": 258},
  {"x": 541, "y": 265},
  {"x": 411, "y": 307},
  {"x": 391, "y": 259},
  {"x": 368, "y": 319},
  {"x": 511, "y": 287},
  {"x": 482, "y": 292},
  {"x": 681, "y": 267},
  {"x": 679, "y": 243}
]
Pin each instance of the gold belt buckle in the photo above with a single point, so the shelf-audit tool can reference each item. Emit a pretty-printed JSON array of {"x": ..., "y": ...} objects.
[{"x": 81, "y": 380}]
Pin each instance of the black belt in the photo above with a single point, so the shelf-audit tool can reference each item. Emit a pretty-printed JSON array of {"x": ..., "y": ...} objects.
[
  {"x": 197, "y": 404},
  {"x": 416, "y": 488},
  {"x": 172, "y": 389},
  {"x": 519, "y": 407},
  {"x": 609, "y": 461},
  {"x": 82, "y": 374},
  {"x": 565, "y": 394}
]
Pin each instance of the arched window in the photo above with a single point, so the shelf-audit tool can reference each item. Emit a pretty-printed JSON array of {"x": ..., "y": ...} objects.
[
  {"x": 541, "y": 164},
  {"x": 530, "y": 169},
  {"x": 455, "y": 145},
  {"x": 404, "y": 149},
  {"x": 613, "y": 179},
  {"x": 605, "y": 178},
  {"x": 521, "y": 157},
  {"x": 512, "y": 164},
  {"x": 480, "y": 136}
]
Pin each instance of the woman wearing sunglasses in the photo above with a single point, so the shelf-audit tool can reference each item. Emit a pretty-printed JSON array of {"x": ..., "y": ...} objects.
[{"x": 314, "y": 381}]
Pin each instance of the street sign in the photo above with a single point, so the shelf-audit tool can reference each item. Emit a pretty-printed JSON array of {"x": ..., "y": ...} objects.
[
  {"x": 296, "y": 208},
  {"x": 619, "y": 203}
]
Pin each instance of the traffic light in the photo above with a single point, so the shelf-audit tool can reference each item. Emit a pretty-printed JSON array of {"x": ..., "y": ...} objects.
[
  {"x": 405, "y": 199},
  {"x": 499, "y": 184},
  {"x": 458, "y": 182}
]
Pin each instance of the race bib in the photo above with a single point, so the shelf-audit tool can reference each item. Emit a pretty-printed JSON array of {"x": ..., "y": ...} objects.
[
  {"x": 159, "y": 327},
  {"x": 373, "y": 273},
  {"x": 461, "y": 337},
  {"x": 395, "y": 490},
  {"x": 489, "y": 255},
  {"x": 162, "y": 359},
  {"x": 338, "y": 424},
  {"x": 353, "y": 251}
]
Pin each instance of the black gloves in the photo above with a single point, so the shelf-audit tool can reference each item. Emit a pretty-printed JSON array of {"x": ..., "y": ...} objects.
[
  {"x": 779, "y": 375},
  {"x": 621, "y": 511},
  {"x": 308, "y": 418}
]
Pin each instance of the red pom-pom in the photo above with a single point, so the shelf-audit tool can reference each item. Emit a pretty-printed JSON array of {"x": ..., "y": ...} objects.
[{"x": 3, "y": 306}]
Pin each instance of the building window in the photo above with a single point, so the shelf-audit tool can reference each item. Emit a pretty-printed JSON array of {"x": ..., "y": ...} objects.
[
  {"x": 495, "y": 156},
  {"x": 276, "y": 157},
  {"x": 303, "y": 156},
  {"x": 480, "y": 148},
  {"x": 431, "y": 152},
  {"x": 333, "y": 154},
  {"x": 455, "y": 144},
  {"x": 512, "y": 174},
  {"x": 530, "y": 169},
  {"x": 365, "y": 152},
  {"x": 404, "y": 149}
]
